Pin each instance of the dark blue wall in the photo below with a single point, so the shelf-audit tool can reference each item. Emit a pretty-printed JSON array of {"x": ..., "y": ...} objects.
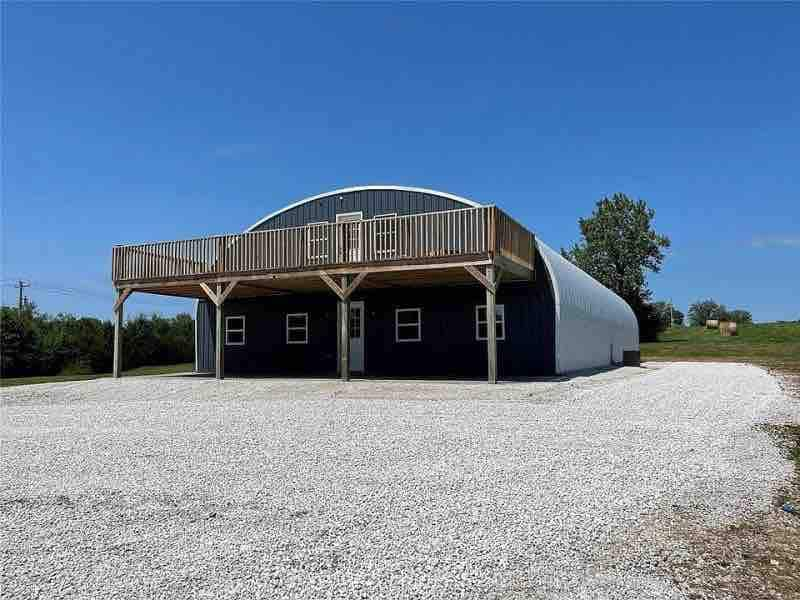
[
  {"x": 448, "y": 347},
  {"x": 204, "y": 336},
  {"x": 370, "y": 202}
]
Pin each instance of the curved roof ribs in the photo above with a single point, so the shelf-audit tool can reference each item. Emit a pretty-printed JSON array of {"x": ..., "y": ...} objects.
[{"x": 363, "y": 188}]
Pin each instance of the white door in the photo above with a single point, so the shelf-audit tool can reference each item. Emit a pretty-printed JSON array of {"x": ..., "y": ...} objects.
[
  {"x": 350, "y": 236},
  {"x": 357, "y": 336}
]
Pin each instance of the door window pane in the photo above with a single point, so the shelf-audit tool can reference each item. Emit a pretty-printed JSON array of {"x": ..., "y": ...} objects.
[{"x": 355, "y": 323}]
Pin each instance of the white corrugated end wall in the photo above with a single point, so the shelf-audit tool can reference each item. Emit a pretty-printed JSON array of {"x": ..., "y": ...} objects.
[{"x": 593, "y": 325}]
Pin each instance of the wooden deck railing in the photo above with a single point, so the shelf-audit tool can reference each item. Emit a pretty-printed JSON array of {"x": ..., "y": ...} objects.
[{"x": 472, "y": 231}]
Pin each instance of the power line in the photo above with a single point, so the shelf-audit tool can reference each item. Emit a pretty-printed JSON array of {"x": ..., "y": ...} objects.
[
  {"x": 21, "y": 284},
  {"x": 79, "y": 292}
]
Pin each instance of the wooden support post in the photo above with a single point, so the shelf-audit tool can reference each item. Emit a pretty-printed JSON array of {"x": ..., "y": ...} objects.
[
  {"x": 344, "y": 291},
  {"x": 218, "y": 298},
  {"x": 338, "y": 338},
  {"x": 490, "y": 281},
  {"x": 121, "y": 296},
  {"x": 344, "y": 332},
  {"x": 491, "y": 327},
  {"x": 219, "y": 355}
]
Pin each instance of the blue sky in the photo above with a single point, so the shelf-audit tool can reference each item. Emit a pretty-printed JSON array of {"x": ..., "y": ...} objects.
[{"x": 132, "y": 123}]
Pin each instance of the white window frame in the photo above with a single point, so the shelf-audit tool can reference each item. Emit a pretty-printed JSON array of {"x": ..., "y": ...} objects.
[
  {"x": 385, "y": 249},
  {"x": 398, "y": 325},
  {"x": 360, "y": 214},
  {"x": 351, "y": 251},
  {"x": 324, "y": 241},
  {"x": 500, "y": 317},
  {"x": 230, "y": 330},
  {"x": 304, "y": 328}
]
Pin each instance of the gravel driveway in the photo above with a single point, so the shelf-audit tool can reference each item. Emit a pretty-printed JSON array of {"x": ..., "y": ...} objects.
[{"x": 179, "y": 487}]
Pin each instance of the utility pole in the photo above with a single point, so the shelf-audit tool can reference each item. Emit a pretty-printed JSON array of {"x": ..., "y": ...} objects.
[{"x": 21, "y": 285}]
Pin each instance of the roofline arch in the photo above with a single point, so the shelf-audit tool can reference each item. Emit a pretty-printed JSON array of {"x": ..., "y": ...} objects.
[
  {"x": 362, "y": 188},
  {"x": 358, "y": 188}
]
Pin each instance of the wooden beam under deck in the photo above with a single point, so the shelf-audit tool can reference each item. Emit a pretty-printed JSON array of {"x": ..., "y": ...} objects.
[
  {"x": 453, "y": 247},
  {"x": 315, "y": 273},
  {"x": 264, "y": 285}
]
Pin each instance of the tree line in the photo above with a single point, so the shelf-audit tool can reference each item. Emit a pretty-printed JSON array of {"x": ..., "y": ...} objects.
[
  {"x": 703, "y": 310},
  {"x": 35, "y": 343}
]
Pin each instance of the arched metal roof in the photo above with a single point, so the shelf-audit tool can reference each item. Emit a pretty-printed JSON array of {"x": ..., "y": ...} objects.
[
  {"x": 359, "y": 188},
  {"x": 593, "y": 324},
  {"x": 362, "y": 188}
]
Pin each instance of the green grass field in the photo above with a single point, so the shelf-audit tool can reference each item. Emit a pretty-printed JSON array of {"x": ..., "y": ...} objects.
[
  {"x": 161, "y": 370},
  {"x": 774, "y": 345}
]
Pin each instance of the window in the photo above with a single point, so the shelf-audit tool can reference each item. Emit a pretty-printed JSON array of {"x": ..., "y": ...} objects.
[
  {"x": 408, "y": 324},
  {"x": 499, "y": 321},
  {"x": 385, "y": 235},
  {"x": 234, "y": 331},
  {"x": 355, "y": 322},
  {"x": 297, "y": 328},
  {"x": 317, "y": 241}
]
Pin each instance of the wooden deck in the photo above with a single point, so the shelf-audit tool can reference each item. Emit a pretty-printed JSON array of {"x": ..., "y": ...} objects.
[
  {"x": 432, "y": 240},
  {"x": 467, "y": 245}
]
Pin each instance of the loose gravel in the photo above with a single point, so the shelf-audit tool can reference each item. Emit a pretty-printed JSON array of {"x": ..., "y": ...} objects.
[{"x": 182, "y": 487}]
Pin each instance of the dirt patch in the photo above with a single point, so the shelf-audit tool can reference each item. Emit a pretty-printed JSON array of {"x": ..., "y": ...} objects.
[{"x": 758, "y": 558}]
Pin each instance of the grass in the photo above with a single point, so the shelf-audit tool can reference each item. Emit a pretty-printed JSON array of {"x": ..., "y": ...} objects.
[
  {"x": 773, "y": 345},
  {"x": 151, "y": 370}
]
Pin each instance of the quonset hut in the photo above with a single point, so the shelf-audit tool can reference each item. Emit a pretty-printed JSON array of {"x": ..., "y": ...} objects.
[{"x": 386, "y": 281}]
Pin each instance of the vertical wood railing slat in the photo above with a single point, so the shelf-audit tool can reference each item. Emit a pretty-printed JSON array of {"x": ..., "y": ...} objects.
[{"x": 471, "y": 231}]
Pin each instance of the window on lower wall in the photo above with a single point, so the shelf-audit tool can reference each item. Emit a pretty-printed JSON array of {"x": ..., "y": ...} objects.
[
  {"x": 408, "y": 324},
  {"x": 297, "y": 328},
  {"x": 234, "y": 331},
  {"x": 481, "y": 332}
]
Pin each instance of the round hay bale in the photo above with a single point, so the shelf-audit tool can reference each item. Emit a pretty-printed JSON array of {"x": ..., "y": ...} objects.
[{"x": 712, "y": 324}]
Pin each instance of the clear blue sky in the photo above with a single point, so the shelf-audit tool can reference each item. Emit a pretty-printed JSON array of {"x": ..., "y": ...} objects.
[{"x": 132, "y": 123}]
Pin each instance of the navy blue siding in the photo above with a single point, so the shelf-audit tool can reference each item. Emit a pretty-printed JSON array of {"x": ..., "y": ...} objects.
[
  {"x": 266, "y": 351},
  {"x": 448, "y": 347},
  {"x": 204, "y": 323},
  {"x": 370, "y": 202}
]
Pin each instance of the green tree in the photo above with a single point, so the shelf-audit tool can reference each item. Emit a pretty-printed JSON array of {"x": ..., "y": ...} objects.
[
  {"x": 740, "y": 316},
  {"x": 662, "y": 310},
  {"x": 618, "y": 247},
  {"x": 665, "y": 310},
  {"x": 33, "y": 343},
  {"x": 18, "y": 344},
  {"x": 703, "y": 310}
]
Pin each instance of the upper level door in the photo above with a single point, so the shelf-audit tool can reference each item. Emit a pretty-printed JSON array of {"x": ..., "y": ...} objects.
[{"x": 350, "y": 236}]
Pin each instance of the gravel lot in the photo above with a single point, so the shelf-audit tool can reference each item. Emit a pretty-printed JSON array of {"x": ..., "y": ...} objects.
[{"x": 179, "y": 487}]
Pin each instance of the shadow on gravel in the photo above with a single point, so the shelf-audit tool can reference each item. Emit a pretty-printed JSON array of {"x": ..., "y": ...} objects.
[{"x": 430, "y": 379}]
